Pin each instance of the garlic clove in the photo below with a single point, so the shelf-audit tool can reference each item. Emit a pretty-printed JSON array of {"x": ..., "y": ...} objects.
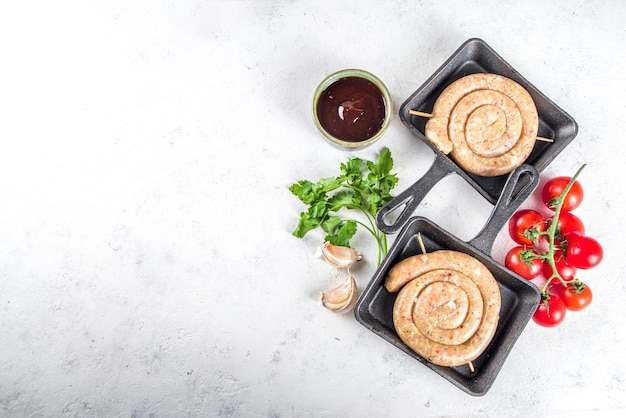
[
  {"x": 343, "y": 297},
  {"x": 339, "y": 256}
]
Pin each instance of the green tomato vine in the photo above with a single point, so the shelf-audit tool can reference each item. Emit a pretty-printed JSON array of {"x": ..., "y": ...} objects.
[{"x": 551, "y": 233}]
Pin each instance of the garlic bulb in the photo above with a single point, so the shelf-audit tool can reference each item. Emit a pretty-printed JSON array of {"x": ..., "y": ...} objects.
[
  {"x": 343, "y": 297},
  {"x": 340, "y": 257}
]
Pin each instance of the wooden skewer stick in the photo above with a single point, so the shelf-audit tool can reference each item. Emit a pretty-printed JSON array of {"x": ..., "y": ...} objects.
[
  {"x": 423, "y": 114},
  {"x": 419, "y": 239},
  {"x": 471, "y": 366},
  {"x": 540, "y": 138},
  {"x": 430, "y": 115}
]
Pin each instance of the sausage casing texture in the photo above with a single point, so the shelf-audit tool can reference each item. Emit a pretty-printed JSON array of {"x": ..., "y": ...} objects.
[
  {"x": 447, "y": 308},
  {"x": 486, "y": 122}
]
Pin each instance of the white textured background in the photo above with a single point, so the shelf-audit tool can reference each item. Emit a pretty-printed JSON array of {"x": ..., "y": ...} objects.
[{"x": 146, "y": 261}]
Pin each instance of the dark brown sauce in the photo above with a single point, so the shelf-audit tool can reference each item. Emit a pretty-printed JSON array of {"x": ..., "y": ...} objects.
[{"x": 351, "y": 109}]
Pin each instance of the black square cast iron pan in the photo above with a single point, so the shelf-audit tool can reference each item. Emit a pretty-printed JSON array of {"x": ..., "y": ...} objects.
[
  {"x": 474, "y": 56},
  {"x": 519, "y": 297}
]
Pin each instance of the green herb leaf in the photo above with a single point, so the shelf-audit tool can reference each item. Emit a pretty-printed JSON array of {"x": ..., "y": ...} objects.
[
  {"x": 362, "y": 185},
  {"x": 343, "y": 234},
  {"x": 385, "y": 163},
  {"x": 331, "y": 224},
  {"x": 306, "y": 223},
  {"x": 344, "y": 198}
]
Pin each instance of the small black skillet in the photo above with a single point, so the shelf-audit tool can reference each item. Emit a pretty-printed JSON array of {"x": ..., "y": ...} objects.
[
  {"x": 474, "y": 56},
  {"x": 519, "y": 297}
]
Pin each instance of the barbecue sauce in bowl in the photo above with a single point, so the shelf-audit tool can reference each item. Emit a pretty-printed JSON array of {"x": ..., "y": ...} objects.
[{"x": 352, "y": 108}]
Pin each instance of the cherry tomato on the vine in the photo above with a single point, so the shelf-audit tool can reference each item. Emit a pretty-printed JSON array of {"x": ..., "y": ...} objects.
[
  {"x": 513, "y": 261},
  {"x": 521, "y": 221},
  {"x": 576, "y": 295},
  {"x": 555, "y": 187},
  {"x": 568, "y": 223},
  {"x": 565, "y": 270},
  {"x": 583, "y": 252},
  {"x": 550, "y": 312}
]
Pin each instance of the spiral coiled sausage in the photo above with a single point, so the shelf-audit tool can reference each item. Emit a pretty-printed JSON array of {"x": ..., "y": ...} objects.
[
  {"x": 447, "y": 308},
  {"x": 486, "y": 122}
]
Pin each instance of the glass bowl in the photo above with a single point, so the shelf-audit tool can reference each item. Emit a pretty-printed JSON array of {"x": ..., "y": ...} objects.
[{"x": 350, "y": 81}]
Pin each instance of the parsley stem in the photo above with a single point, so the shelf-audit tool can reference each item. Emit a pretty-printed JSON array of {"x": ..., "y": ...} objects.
[
  {"x": 378, "y": 235},
  {"x": 362, "y": 185}
]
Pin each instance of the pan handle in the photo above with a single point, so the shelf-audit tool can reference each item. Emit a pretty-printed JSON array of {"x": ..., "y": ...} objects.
[
  {"x": 519, "y": 186},
  {"x": 412, "y": 197}
]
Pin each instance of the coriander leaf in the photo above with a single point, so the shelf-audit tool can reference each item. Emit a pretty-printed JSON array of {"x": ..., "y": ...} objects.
[
  {"x": 330, "y": 225},
  {"x": 385, "y": 163},
  {"x": 373, "y": 168},
  {"x": 304, "y": 191},
  {"x": 374, "y": 200},
  {"x": 342, "y": 199},
  {"x": 384, "y": 199},
  {"x": 388, "y": 182},
  {"x": 362, "y": 185},
  {"x": 329, "y": 184},
  {"x": 318, "y": 210},
  {"x": 343, "y": 234},
  {"x": 371, "y": 180},
  {"x": 309, "y": 192},
  {"x": 306, "y": 223},
  {"x": 352, "y": 168}
]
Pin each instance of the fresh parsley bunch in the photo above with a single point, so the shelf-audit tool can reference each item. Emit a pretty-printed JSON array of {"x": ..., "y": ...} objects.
[{"x": 362, "y": 185}]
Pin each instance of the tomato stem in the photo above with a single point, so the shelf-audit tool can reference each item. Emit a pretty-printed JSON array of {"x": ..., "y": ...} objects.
[{"x": 551, "y": 232}]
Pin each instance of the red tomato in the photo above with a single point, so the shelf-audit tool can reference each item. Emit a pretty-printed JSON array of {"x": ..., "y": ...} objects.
[
  {"x": 550, "y": 312},
  {"x": 513, "y": 261},
  {"x": 568, "y": 223},
  {"x": 566, "y": 270},
  {"x": 576, "y": 295},
  {"x": 521, "y": 221},
  {"x": 554, "y": 188},
  {"x": 584, "y": 252}
]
